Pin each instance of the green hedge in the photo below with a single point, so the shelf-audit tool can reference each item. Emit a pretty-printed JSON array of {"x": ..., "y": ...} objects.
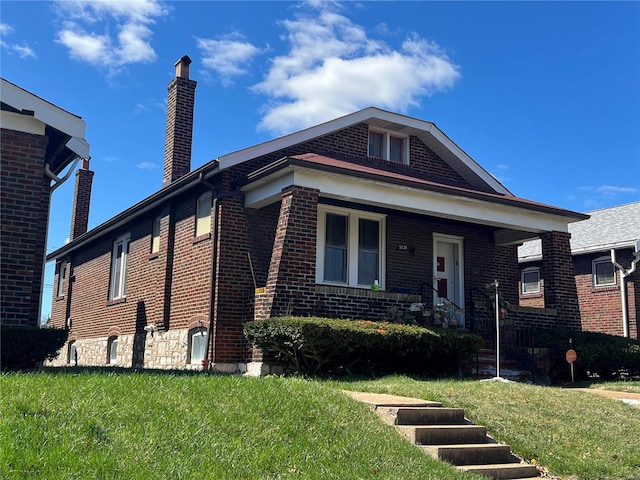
[
  {"x": 314, "y": 345},
  {"x": 606, "y": 356},
  {"x": 24, "y": 348}
]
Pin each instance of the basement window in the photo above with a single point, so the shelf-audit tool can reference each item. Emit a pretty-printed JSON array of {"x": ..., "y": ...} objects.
[
  {"x": 604, "y": 272},
  {"x": 112, "y": 350},
  {"x": 197, "y": 345},
  {"x": 72, "y": 353}
]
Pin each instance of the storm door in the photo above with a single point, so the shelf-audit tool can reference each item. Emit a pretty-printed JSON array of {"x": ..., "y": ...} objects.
[{"x": 448, "y": 273}]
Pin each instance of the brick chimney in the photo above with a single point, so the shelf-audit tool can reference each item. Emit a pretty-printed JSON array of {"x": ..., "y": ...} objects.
[
  {"x": 177, "y": 147},
  {"x": 81, "y": 201}
]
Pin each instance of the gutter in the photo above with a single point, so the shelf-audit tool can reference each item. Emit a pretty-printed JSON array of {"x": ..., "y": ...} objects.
[{"x": 185, "y": 183}]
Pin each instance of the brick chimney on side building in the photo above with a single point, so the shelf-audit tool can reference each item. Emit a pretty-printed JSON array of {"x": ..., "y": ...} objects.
[
  {"x": 81, "y": 201},
  {"x": 180, "y": 105}
]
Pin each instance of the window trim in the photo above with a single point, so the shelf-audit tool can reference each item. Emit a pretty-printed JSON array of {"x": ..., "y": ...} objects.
[
  {"x": 525, "y": 271},
  {"x": 594, "y": 275},
  {"x": 387, "y": 135},
  {"x": 119, "y": 291},
  {"x": 352, "y": 245},
  {"x": 206, "y": 196},
  {"x": 197, "y": 332},
  {"x": 63, "y": 270}
]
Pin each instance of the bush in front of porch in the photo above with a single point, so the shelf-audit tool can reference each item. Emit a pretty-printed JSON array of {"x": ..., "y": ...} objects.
[{"x": 313, "y": 345}]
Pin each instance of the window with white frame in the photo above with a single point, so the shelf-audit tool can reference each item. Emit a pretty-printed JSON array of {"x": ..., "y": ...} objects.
[
  {"x": 203, "y": 214},
  {"x": 72, "y": 353},
  {"x": 388, "y": 146},
  {"x": 197, "y": 345},
  {"x": 603, "y": 271},
  {"x": 112, "y": 350},
  {"x": 530, "y": 280},
  {"x": 155, "y": 235},
  {"x": 119, "y": 259},
  {"x": 62, "y": 275},
  {"x": 350, "y": 247}
]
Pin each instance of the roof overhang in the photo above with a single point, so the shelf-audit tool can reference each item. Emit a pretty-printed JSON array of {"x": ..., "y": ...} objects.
[
  {"x": 25, "y": 112},
  {"x": 514, "y": 219}
]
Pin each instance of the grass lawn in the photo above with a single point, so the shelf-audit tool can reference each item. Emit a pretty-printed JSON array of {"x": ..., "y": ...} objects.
[
  {"x": 574, "y": 434},
  {"x": 155, "y": 425},
  {"x": 126, "y": 425}
]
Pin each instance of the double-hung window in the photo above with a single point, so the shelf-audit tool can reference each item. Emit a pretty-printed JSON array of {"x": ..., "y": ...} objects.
[
  {"x": 350, "y": 247},
  {"x": 604, "y": 272},
  {"x": 530, "y": 280},
  {"x": 388, "y": 146},
  {"x": 62, "y": 275},
  {"x": 203, "y": 214},
  {"x": 155, "y": 235},
  {"x": 119, "y": 257}
]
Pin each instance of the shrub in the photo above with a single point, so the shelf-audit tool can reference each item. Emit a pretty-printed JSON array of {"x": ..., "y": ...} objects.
[
  {"x": 598, "y": 354},
  {"x": 318, "y": 345},
  {"x": 25, "y": 348}
]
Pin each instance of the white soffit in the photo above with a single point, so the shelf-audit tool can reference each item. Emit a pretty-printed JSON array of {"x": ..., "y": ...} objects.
[
  {"x": 43, "y": 111},
  {"x": 428, "y": 132},
  {"x": 401, "y": 197}
]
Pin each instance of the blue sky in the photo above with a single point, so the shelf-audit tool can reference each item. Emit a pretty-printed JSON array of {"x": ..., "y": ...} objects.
[{"x": 544, "y": 95}]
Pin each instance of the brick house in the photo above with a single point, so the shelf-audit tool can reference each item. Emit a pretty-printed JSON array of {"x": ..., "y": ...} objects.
[
  {"x": 353, "y": 218},
  {"x": 38, "y": 142},
  {"x": 601, "y": 285}
]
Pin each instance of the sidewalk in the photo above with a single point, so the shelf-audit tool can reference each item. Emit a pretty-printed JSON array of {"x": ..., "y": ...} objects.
[{"x": 630, "y": 398}]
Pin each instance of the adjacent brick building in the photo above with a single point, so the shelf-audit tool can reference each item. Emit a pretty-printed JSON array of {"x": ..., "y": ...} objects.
[
  {"x": 364, "y": 216},
  {"x": 38, "y": 142},
  {"x": 599, "y": 282}
]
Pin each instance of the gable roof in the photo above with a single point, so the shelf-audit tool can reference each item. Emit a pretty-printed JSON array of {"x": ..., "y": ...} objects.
[
  {"x": 607, "y": 228},
  {"x": 23, "y": 111},
  {"x": 428, "y": 132}
]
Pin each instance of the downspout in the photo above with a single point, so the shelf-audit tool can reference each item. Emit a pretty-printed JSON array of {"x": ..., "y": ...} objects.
[
  {"x": 623, "y": 286},
  {"x": 208, "y": 354},
  {"x": 57, "y": 181}
]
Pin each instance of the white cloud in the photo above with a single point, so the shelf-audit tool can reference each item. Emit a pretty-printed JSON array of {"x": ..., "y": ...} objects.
[
  {"x": 130, "y": 19},
  {"x": 603, "y": 195},
  {"x": 22, "y": 50},
  {"x": 332, "y": 68},
  {"x": 147, "y": 166},
  {"x": 227, "y": 55},
  {"x": 614, "y": 191}
]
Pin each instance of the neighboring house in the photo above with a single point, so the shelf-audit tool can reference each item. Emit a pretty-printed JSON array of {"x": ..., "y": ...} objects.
[
  {"x": 599, "y": 282},
  {"x": 352, "y": 218},
  {"x": 38, "y": 142}
]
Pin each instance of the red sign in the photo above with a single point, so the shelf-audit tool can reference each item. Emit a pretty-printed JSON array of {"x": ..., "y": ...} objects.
[{"x": 571, "y": 356}]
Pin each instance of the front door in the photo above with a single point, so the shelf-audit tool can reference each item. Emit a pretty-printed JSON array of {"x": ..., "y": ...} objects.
[{"x": 448, "y": 268}]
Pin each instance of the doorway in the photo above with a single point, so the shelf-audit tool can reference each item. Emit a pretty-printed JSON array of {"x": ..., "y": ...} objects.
[{"x": 448, "y": 273}]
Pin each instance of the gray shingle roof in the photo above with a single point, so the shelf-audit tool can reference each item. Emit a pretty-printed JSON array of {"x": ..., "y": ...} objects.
[{"x": 607, "y": 228}]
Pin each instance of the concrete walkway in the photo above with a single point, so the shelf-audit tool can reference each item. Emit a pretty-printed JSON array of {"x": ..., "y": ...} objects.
[{"x": 626, "y": 397}]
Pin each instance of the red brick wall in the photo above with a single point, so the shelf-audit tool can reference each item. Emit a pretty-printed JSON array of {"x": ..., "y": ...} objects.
[
  {"x": 177, "y": 150},
  {"x": 601, "y": 307},
  {"x": 24, "y": 208}
]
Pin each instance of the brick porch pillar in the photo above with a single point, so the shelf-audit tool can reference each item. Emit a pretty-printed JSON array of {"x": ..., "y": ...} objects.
[
  {"x": 560, "y": 290},
  {"x": 292, "y": 271}
]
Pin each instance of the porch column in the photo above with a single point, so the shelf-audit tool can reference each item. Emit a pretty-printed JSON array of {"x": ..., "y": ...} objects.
[
  {"x": 292, "y": 270},
  {"x": 560, "y": 291}
]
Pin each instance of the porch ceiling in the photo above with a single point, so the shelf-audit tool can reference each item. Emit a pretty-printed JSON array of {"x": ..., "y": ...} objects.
[{"x": 514, "y": 219}]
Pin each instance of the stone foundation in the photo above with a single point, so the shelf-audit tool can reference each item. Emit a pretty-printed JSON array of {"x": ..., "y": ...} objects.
[{"x": 158, "y": 350}]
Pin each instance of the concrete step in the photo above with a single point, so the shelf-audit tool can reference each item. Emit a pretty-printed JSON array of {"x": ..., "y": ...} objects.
[
  {"x": 472, "y": 454},
  {"x": 443, "y": 434},
  {"x": 422, "y": 415},
  {"x": 503, "y": 471}
]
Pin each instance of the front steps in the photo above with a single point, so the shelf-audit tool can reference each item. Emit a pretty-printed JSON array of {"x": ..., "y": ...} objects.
[{"x": 446, "y": 434}]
